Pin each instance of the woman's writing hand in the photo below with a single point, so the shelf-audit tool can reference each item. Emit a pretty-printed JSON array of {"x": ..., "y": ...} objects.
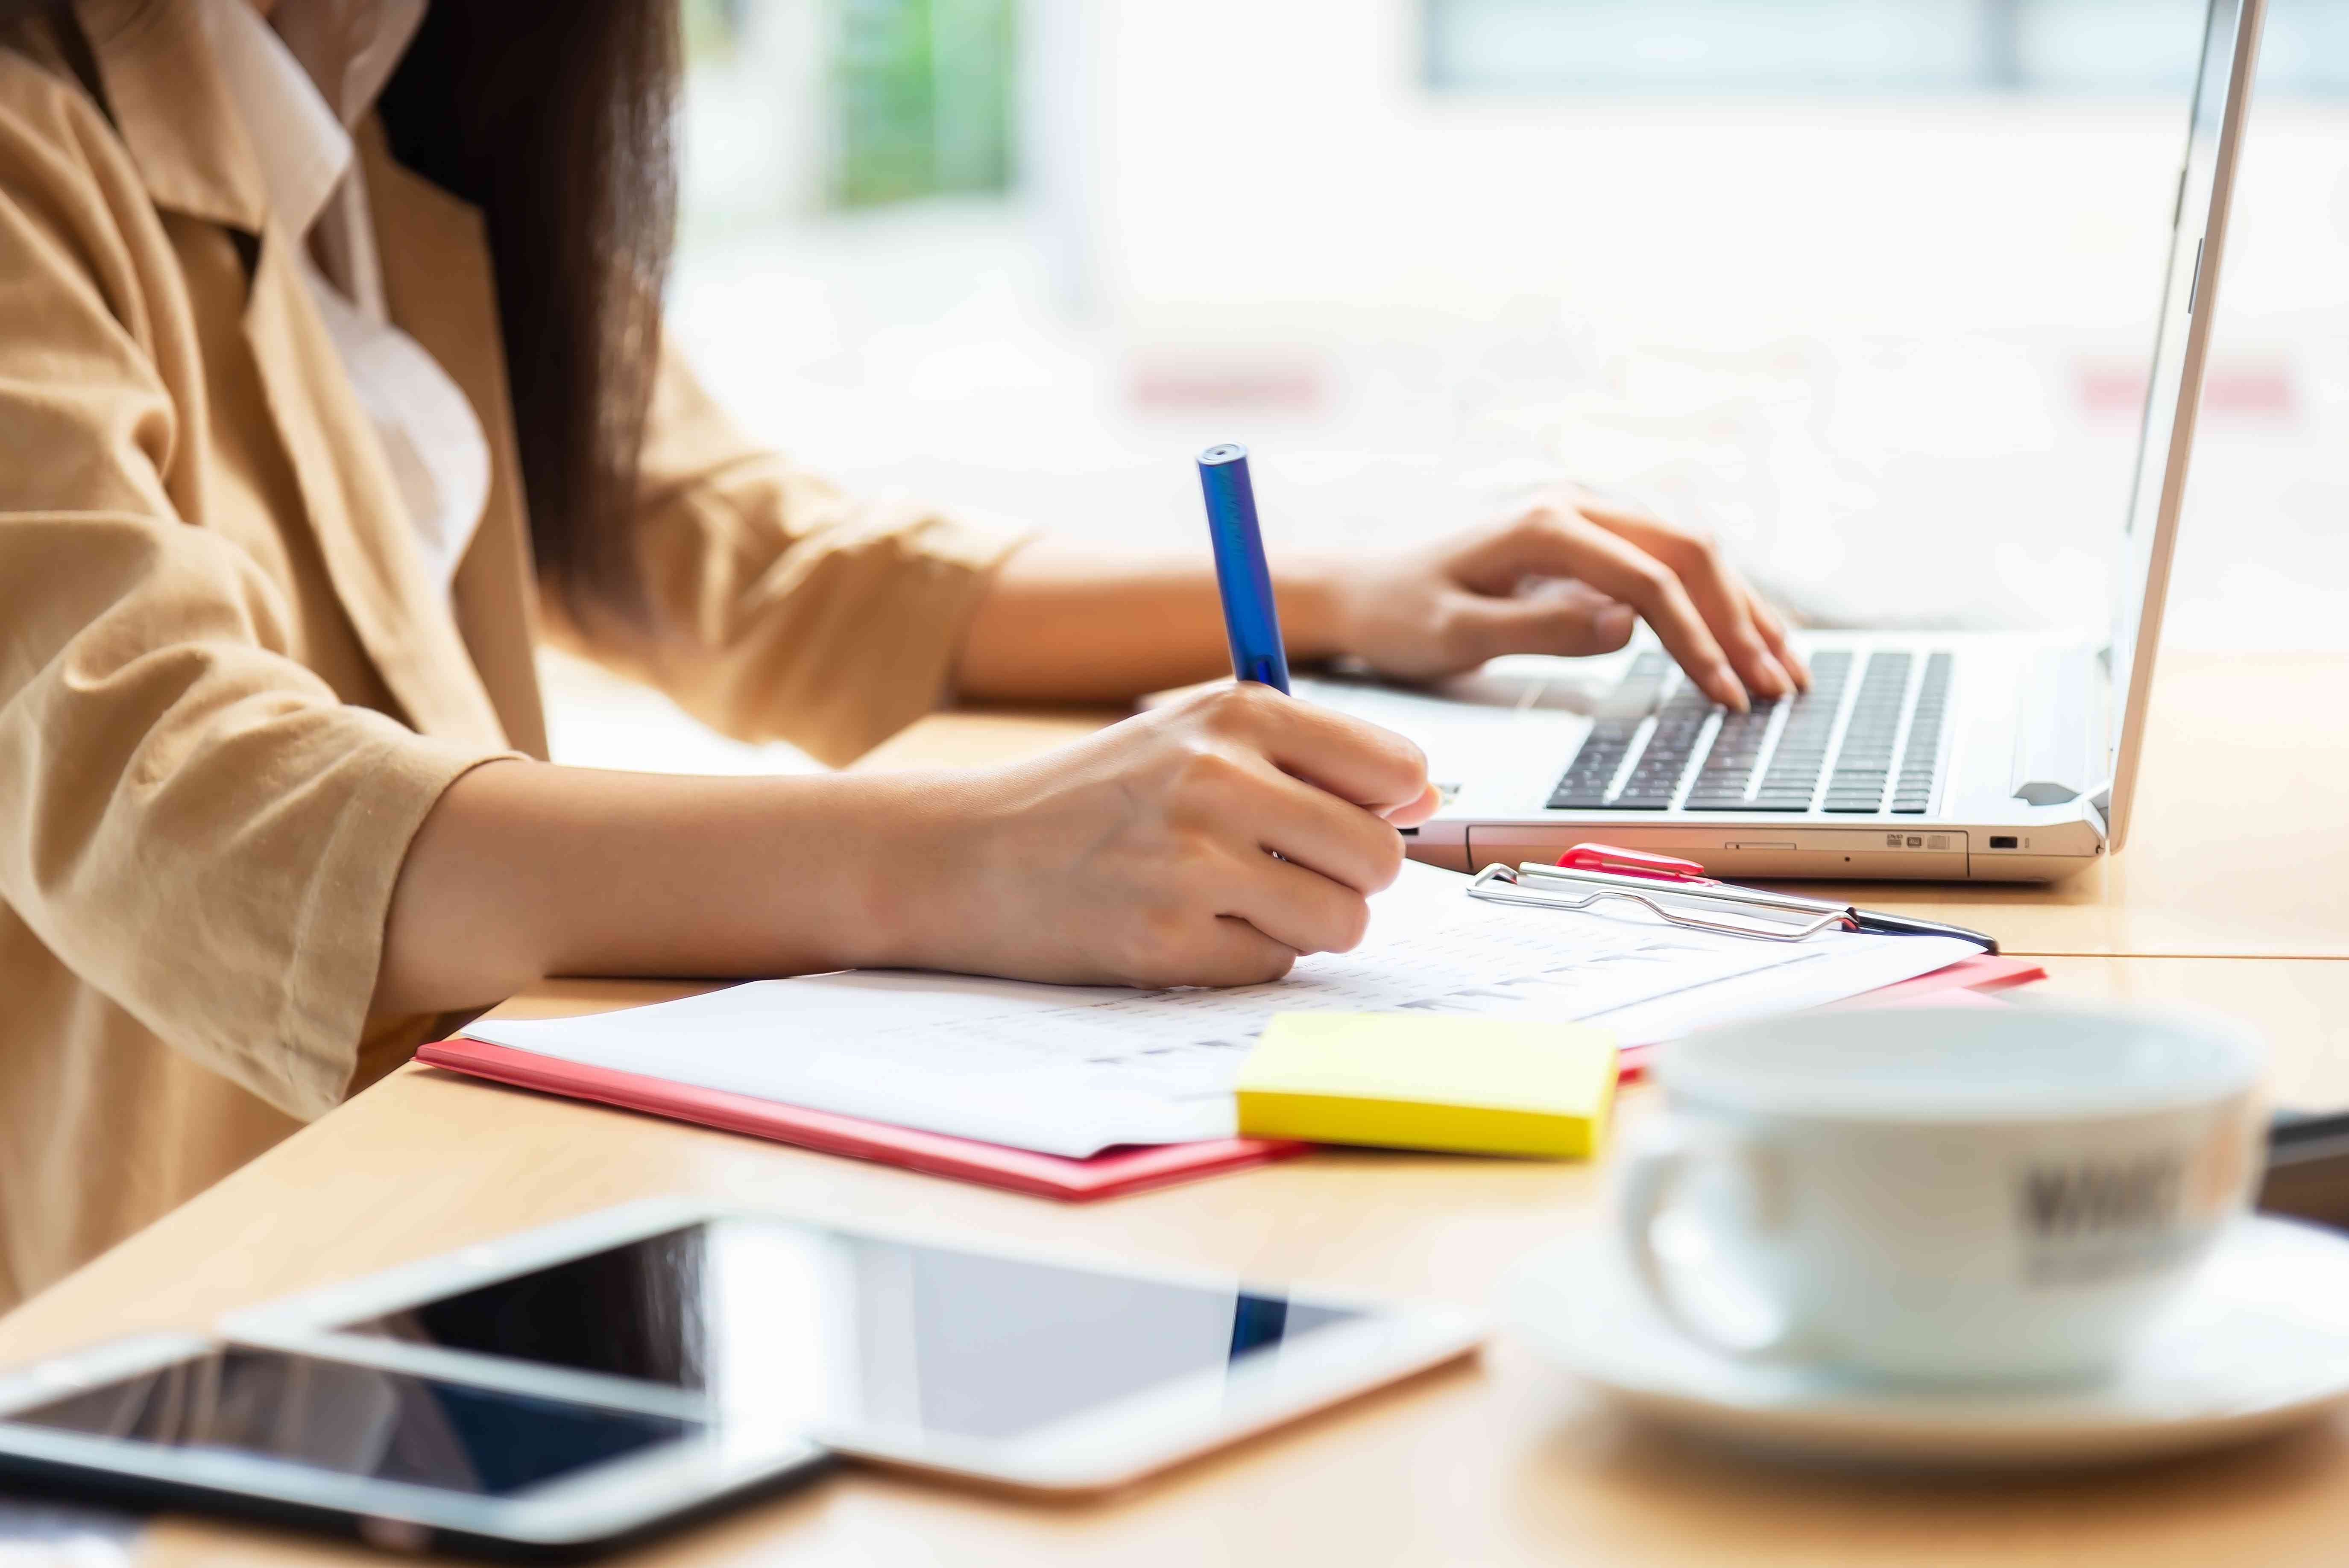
[
  {"x": 1565, "y": 575},
  {"x": 1144, "y": 855}
]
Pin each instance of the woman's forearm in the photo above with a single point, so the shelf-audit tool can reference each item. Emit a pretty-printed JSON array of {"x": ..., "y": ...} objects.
[
  {"x": 1068, "y": 623},
  {"x": 1566, "y": 574},
  {"x": 1208, "y": 841},
  {"x": 525, "y": 869}
]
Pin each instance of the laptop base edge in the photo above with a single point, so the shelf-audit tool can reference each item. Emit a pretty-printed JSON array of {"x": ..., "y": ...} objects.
[{"x": 1889, "y": 852}]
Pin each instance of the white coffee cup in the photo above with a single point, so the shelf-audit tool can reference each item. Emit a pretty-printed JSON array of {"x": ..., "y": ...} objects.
[{"x": 1944, "y": 1194}]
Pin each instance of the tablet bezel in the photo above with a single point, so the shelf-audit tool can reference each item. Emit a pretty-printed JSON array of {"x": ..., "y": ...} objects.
[
  {"x": 1109, "y": 1446},
  {"x": 588, "y": 1507}
]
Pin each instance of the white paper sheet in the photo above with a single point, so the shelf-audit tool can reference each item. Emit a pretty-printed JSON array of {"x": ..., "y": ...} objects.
[{"x": 1074, "y": 1070}]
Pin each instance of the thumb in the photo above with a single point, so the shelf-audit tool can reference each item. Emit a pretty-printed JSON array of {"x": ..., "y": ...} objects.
[{"x": 1557, "y": 618}]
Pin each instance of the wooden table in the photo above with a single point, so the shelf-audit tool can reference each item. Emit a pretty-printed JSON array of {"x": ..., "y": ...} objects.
[{"x": 1502, "y": 1461}]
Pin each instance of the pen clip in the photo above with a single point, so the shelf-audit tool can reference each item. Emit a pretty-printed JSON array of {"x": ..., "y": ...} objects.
[
  {"x": 1709, "y": 889},
  {"x": 1619, "y": 861},
  {"x": 1499, "y": 884}
]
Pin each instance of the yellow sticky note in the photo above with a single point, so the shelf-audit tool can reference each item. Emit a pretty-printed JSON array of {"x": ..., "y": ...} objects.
[{"x": 1412, "y": 1080}]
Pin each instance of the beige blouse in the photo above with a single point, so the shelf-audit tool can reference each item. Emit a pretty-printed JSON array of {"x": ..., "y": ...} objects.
[
  {"x": 310, "y": 175},
  {"x": 230, "y": 687}
]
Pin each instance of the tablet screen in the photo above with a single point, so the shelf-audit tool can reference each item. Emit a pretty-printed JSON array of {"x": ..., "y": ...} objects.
[
  {"x": 781, "y": 1322},
  {"x": 354, "y": 1420}
]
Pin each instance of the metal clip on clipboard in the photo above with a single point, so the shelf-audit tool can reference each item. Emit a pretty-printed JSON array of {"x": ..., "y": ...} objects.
[{"x": 1679, "y": 891}]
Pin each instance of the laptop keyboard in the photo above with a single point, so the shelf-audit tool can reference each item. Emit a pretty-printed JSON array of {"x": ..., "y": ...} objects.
[{"x": 1658, "y": 742}]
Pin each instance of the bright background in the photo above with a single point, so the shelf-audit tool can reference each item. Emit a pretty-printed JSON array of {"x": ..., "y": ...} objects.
[{"x": 1865, "y": 286}]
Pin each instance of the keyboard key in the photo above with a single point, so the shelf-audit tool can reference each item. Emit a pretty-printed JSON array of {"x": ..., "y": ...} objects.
[
  {"x": 1595, "y": 765},
  {"x": 1921, "y": 757},
  {"x": 1778, "y": 756}
]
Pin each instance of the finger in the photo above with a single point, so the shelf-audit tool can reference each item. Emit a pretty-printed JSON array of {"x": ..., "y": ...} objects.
[
  {"x": 1429, "y": 803},
  {"x": 1572, "y": 619},
  {"x": 1712, "y": 587},
  {"x": 1275, "y": 814},
  {"x": 1232, "y": 952},
  {"x": 1622, "y": 569},
  {"x": 1298, "y": 908},
  {"x": 1773, "y": 632},
  {"x": 1374, "y": 768}
]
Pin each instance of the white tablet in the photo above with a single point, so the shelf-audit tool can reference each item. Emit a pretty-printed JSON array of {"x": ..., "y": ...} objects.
[
  {"x": 406, "y": 1462},
  {"x": 978, "y": 1360}
]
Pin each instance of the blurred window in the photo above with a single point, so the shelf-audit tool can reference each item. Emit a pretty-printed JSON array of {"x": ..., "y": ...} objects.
[
  {"x": 2073, "y": 46},
  {"x": 921, "y": 99}
]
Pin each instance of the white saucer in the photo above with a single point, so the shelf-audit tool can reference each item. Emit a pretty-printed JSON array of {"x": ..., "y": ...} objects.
[{"x": 2259, "y": 1343}]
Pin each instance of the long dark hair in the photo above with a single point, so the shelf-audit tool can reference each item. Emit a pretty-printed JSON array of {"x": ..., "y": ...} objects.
[{"x": 555, "y": 119}]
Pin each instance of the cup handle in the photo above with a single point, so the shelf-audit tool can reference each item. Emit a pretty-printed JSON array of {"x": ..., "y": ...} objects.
[{"x": 1659, "y": 1161}]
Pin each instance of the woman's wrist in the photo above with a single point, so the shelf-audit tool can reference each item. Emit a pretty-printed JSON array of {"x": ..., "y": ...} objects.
[
  {"x": 887, "y": 838},
  {"x": 1308, "y": 590}
]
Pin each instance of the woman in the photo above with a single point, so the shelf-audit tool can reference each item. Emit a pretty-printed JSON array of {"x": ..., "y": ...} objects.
[{"x": 298, "y": 303}]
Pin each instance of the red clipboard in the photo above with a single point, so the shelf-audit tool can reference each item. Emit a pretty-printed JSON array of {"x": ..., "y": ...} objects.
[
  {"x": 1108, "y": 1174},
  {"x": 1966, "y": 982}
]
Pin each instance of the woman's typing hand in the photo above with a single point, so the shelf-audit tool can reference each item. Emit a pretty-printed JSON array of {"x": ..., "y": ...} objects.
[
  {"x": 1565, "y": 574},
  {"x": 1145, "y": 855},
  {"x": 1568, "y": 572}
]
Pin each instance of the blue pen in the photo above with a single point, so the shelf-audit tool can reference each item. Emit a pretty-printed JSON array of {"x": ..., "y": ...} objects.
[{"x": 1245, "y": 583}]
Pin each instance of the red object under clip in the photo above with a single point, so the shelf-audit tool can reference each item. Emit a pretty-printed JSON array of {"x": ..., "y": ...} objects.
[{"x": 1625, "y": 862}]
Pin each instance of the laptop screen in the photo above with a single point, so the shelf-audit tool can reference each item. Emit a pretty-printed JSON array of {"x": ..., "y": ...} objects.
[{"x": 2198, "y": 224}]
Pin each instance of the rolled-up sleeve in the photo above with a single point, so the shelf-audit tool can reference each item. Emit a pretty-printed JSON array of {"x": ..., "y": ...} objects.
[
  {"x": 783, "y": 608},
  {"x": 190, "y": 820}
]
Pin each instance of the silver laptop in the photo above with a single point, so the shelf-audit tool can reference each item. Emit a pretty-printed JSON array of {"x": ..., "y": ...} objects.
[{"x": 1989, "y": 756}]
